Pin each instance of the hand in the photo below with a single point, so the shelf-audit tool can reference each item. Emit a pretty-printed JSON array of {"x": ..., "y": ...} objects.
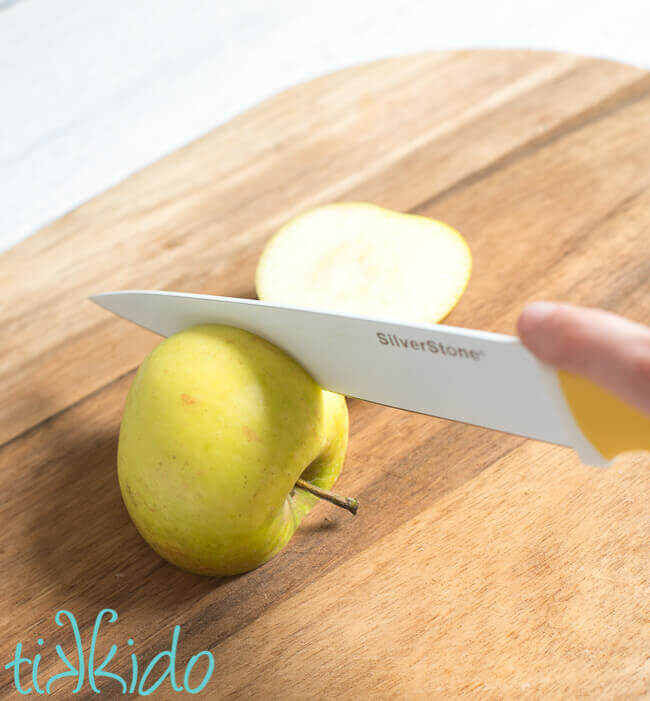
[{"x": 607, "y": 349}]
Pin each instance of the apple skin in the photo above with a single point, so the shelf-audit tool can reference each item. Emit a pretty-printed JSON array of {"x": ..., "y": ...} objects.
[{"x": 217, "y": 427}]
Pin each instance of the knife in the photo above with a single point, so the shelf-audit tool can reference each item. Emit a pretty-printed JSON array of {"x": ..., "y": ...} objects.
[{"x": 475, "y": 377}]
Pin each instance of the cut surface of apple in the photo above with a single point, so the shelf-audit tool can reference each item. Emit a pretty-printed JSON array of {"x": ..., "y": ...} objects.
[{"x": 359, "y": 258}]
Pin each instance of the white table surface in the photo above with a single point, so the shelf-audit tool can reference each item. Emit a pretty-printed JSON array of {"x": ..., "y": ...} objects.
[{"x": 93, "y": 90}]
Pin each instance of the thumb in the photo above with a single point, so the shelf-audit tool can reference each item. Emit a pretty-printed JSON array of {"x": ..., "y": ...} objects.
[{"x": 607, "y": 349}]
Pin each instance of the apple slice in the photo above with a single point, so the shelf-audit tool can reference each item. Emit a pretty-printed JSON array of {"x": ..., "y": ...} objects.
[{"x": 363, "y": 259}]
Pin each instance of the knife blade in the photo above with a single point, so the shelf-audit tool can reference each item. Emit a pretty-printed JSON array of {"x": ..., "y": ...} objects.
[{"x": 475, "y": 377}]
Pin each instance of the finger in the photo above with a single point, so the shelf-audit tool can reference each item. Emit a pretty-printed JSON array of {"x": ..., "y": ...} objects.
[{"x": 608, "y": 349}]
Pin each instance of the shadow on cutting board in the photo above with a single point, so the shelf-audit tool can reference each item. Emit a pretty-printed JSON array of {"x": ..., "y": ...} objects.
[{"x": 87, "y": 551}]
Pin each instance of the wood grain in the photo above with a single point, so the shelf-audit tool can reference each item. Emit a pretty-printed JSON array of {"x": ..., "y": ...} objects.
[{"x": 480, "y": 564}]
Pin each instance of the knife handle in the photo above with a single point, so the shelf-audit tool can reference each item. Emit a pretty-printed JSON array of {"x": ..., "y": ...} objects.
[{"x": 611, "y": 425}]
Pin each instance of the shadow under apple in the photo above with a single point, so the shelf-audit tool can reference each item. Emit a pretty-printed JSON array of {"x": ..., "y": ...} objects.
[{"x": 82, "y": 542}]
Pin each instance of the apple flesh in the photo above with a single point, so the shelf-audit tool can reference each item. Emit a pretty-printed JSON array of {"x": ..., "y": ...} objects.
[
  {"x": 218, "y": 426},
  {"x": 358, "y": 258}
]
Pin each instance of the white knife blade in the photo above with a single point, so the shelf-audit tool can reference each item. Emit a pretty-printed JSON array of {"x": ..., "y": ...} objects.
[{"x": 475, "y": 377}]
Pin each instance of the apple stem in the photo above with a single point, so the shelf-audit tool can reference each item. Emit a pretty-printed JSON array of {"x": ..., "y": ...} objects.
[{"x": 349, "y": 503}]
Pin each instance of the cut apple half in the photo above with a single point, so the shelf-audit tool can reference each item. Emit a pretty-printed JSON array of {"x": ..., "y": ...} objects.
[{"x": 359, "y": 258}]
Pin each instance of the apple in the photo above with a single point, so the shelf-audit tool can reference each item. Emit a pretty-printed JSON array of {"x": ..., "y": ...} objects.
[
  {"x": 359, "y": 258},
  {"x": 222, "y": 440}
]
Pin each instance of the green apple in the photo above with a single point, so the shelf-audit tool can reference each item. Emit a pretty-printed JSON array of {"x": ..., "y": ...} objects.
[{"x": 218, "y": 427}]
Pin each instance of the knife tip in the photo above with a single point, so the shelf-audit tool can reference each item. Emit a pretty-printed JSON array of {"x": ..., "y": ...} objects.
[{"x": 98, "y": 298}]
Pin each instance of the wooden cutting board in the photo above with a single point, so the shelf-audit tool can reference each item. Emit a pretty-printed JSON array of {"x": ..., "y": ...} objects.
[{"x": 480, "y": 564}]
